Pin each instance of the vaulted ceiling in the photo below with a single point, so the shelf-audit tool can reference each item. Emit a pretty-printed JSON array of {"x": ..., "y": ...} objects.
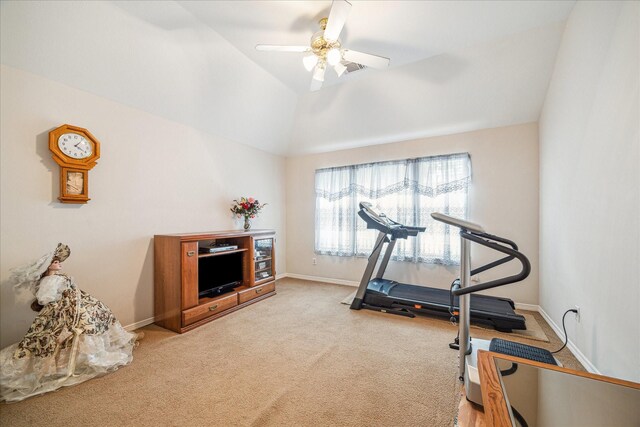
[
  {"x": 404, "y": 31},
  {"x": 455, "y": 66}
]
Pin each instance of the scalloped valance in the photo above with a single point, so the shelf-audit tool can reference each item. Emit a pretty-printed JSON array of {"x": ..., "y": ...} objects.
[{"x": 428, "y": 176}]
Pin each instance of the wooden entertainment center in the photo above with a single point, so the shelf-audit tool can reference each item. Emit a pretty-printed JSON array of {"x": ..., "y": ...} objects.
[{"x": 199, "y": 277}]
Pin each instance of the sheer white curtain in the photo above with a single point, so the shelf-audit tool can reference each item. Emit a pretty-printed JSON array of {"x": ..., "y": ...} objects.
[{"x": 407, "y": 191}]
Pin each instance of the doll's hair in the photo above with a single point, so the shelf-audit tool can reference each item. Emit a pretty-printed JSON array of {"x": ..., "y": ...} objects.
[
  {"x": 54, "y": 259},
  {"x": 35, "y": 305}
]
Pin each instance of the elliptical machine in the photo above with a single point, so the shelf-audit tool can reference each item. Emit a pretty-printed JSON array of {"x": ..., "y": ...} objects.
[{"x": 468, "y": 349}]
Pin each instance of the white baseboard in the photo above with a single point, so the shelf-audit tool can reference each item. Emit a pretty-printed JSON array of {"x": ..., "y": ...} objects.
[
  {"x": 140, "y": 324},
  {"x": 527, "y": 307},
  {"x": 320, "y": 279},
  {"x": 570, "y": 345}
]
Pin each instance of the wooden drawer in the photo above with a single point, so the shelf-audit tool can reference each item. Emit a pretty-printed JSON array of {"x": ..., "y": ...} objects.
[
  {"x": 205, "y": 310},
  {"x": 255, "y": 292}
]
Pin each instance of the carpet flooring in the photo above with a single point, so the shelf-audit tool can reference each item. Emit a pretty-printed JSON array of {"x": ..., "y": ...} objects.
[{"x": 299, "y": 358}]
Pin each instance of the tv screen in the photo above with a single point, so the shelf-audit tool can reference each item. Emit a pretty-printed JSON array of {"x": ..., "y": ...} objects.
[{"x": 219, "y": 274}]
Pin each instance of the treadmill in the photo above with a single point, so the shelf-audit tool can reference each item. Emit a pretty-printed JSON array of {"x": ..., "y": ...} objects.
[{"x": 404, "y": 299}]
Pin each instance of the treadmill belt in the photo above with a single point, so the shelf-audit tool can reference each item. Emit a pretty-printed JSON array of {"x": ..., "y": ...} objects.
[
  {"x": 400, "y": 298},
  {"x": 420, "y": 293},
  {"x": 441, "y": 297}
]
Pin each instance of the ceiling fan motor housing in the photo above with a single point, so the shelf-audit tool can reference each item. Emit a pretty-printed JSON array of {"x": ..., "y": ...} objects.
[{"x": 319, "y": 45}]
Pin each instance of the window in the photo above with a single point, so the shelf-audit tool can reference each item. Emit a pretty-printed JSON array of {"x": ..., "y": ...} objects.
[{"x": 407, "y": 191}]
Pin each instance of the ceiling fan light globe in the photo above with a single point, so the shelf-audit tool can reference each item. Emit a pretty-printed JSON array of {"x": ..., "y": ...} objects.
[
  {"x": 334, "y": 56},
  {"x": 318, "y": 73},
  {"x": 309, "y": 62}
]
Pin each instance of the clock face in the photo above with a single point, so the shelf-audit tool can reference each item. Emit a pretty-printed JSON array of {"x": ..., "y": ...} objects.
[{"x": 75, "y": 146}]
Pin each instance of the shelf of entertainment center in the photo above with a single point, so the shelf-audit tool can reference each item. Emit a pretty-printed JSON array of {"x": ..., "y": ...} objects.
[
  {"x": 204, "y": 254},
  {"x": 207, "y": 300}
]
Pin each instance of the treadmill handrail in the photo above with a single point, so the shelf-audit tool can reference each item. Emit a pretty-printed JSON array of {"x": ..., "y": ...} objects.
[
  {"x": 411, "y": 230},
  {"x": 524, "y": 273}
]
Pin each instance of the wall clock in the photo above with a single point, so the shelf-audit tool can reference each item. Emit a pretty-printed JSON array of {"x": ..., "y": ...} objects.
[{"x": 76, "y": 151}]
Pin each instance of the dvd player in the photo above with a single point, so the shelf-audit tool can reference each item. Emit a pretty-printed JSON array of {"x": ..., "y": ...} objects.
[{"x": 220, "y": 248}]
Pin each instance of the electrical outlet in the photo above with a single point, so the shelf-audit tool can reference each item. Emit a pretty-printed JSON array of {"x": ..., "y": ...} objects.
[
  {"x": 577, "y": 308},
  {"x": 313, "y": 260}
]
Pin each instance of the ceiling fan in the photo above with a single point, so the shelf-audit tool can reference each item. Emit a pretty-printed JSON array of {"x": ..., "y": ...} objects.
[{"x": 326, "y": 49}]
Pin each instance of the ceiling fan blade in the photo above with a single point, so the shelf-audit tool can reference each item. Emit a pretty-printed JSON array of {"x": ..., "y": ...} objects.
[
  {"x": 278, "y": 48},
  {"x": 318, "y": 77},
  {"x": 337, "y": 17},
  {"x": 315, "y": 85},
  {"x": 339, "y": 69},
  {"x": 373, "y": 61}
]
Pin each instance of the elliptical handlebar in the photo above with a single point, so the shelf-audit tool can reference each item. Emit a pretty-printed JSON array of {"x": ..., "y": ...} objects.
[
  {"x": 456, "y": 222},
  {"x": 496, "y": 263},
  {"x": 475, "y": 233},
  {"x": 512, "y": 253}
]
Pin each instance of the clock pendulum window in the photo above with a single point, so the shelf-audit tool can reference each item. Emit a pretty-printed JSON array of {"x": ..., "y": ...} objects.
[{"x": 75, "y": 150}]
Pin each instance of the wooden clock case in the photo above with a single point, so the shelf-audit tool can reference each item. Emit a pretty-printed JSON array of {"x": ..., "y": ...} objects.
[{"x": 74, "y": 169}]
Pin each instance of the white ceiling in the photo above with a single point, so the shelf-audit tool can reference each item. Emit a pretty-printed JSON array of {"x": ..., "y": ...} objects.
[
  {"x": 455, "y": 66},
  {"x": 405, "y": 31},
  {"x": 499, "y": 83}
]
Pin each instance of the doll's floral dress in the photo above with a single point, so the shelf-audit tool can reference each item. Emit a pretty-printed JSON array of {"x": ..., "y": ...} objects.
[{"x": 75, "y": 337}]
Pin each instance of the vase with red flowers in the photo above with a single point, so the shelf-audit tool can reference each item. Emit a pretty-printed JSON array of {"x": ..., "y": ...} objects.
[{"x": 247, "y": 207}]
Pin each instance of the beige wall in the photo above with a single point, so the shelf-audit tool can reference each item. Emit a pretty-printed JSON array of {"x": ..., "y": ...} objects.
[
  {"x": 503, "y": 198},
  {"x": 590, "y": 186},
  {"x": 154, "y": 56},
  {"x": 154, "y": 176}
]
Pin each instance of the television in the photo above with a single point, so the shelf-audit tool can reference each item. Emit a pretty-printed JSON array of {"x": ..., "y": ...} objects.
[{"x": 219, "y": 274}]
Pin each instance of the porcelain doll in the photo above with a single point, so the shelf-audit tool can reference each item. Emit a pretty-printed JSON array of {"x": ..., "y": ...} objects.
[{"x": 74, "y": 338}]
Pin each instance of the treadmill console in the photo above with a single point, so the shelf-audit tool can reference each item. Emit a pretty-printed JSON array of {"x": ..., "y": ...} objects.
[{"x": 380, "y": 222}]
